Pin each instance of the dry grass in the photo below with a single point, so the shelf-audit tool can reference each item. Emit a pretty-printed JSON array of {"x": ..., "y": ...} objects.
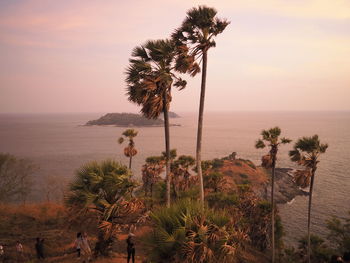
[
  {"x": 50, "y": 221},
  {"x": 238, "y": 171}
]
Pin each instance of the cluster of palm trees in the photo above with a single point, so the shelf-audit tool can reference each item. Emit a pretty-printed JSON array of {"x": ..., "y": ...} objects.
[
  {"x": 306, "y": 152},
  {"x": 155, "y": 68}
]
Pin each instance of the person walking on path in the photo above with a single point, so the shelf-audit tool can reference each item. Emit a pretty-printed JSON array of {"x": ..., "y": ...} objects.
[
  {"x": 130, "y": 248},
  {"x": 39, "y": 247},
  {"x": 78, "y": 243}
]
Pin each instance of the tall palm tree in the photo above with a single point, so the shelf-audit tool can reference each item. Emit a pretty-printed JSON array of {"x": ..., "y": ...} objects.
[
  {"x": 150, "y": 77},
  {"x": 130, "y": 150},
  {"x": 271, "y": 138},
  {"x": 306, "y": 152},
  {"x": 196, "y": 37}
]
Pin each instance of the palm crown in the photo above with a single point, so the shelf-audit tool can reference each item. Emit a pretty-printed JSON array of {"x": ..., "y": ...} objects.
[
  {"x": 150, "y": 76},
  {"x": 199, "y": 29},
  {"x": 271, "y": 136},
  {"x": 307, "y": 150}
]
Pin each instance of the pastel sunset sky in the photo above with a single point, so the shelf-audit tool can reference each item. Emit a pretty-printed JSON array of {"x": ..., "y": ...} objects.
[{"x": 70, "y": 55}]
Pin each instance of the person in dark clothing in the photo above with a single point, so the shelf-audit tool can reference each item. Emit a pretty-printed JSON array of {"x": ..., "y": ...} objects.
[
  {"x": 39, "y": 247},
  {"x": 78, "y": 243},
  {"x": 130, "y": 248}
]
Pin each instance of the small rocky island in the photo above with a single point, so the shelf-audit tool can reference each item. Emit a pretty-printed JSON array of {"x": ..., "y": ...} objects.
[{"x": 128, "y": 120}]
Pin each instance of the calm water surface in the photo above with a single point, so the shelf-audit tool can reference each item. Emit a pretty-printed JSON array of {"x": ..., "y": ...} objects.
[{"x": 59, "y": 144}]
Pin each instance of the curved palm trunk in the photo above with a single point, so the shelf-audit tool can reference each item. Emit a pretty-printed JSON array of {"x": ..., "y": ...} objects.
[
  {"x": 200, "y": 127},
  {"x": 309, "y": 215},
  {"x": 167, "y": 148}
]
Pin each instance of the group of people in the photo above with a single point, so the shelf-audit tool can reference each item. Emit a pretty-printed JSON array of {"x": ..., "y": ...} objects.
[
  {"x": 39, "y": 248},
  {"x": 81, "y": 245}
]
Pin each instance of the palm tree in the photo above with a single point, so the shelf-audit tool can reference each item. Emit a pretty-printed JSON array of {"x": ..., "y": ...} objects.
[
  {"x": 184, "y": 162},
  {"x": 195, "y": 37},
  {"x": 150, "y": 77},
  {"x": 151, "y": 171},
  {"x": 306, "y": 152},
  {"x": 130, "y": 150},
  {"x": 102, "y": 189},
  {"x": 271, "y": 137}
]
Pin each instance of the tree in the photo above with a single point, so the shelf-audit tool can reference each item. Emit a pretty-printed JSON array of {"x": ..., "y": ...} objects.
[
  {"x": 150, "y": 77},
  {"x": 271, "y": 137},
  {"x": 306, "y": 152},
  {"x": 214, "y": 181},
  {"x": 195, "y": 37},
  {"x": 183, "y": 164},
  {"x": 151, "y": 171},
  {"x": 102, "y": 190},
  {"x": 320, "y": 251},
  {"x": 15, "y": 178},
  {"x": 130, "y": 150}
]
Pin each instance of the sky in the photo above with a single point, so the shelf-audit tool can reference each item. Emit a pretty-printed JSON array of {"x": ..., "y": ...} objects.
[{"x": 70, "y": 55}]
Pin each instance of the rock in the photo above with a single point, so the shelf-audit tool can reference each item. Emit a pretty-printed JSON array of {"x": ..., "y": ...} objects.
[{"x": 285, "y": 188}]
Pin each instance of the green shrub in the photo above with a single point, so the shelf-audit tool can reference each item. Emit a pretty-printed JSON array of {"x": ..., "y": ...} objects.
[
  {"x": 185, "y": 232},
  {"x": 222, "y": 200},
  {"x": 246, "y": 181},
  {"x": 243, "y": 176},
  {"x": 217, "y": 163}
]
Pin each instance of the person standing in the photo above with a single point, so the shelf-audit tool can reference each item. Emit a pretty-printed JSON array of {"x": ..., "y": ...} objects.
[
  {"x": 78, "y": 243},
  {"x": 130, "y": 248},
  {"x": 39, "y": 247},
  {"x": 19, "y": 252}
]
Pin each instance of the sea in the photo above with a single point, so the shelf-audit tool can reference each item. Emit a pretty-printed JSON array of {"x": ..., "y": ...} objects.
[{"x": 58, "y": 144}]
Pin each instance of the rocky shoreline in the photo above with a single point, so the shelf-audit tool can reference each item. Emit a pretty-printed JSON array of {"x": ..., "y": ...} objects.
[{"x": 285, "y": 188}]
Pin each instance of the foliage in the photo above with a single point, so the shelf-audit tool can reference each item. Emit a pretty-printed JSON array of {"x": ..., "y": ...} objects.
[
  {"x": 197, "y": 32},
  {"x": 271, "y": 139},
  {"x": 186, "y": 232},
  {"x": 130, "y": 150},
  {"x": 339, "y": 234},
  {"x": 307, "y": 150},
  {"x": 181, "y": 179},
  {"x": 150, "y": 76},
  {"x": 217, "y": 163},
  {"x": 221, "y": 200},
  {"x": 16, "y": 176},
  {"x": 151, "y": 171},
  {"x": 214, "y": 181},
  {"x": 103, "y": 190},
  {"x": 320, "y": 253},
  {"x": 193, "y": 40}
]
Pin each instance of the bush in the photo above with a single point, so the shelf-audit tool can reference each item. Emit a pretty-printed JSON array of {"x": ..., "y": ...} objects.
[
  {"x": 243, "y": 176},
  {"x": 217, "y": 163},
  {"x": 186, "y": 232},
  {"x": 222, "y": 200}
]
